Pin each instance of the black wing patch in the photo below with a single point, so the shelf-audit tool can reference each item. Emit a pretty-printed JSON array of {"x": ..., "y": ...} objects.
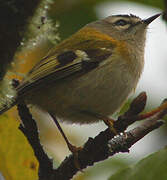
[{"x": 66, "y": 57}]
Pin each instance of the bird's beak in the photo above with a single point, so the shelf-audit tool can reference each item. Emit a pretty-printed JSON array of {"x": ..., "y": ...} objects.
[{"x": 150, "y": 19}]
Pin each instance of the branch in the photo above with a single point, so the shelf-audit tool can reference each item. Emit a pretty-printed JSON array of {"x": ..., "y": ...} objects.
[
  {"x": 29, "y": 129},
  {"x": 95, "y": 149}
]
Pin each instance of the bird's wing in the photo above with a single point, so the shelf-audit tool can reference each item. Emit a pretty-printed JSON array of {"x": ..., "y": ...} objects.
[{"x": 63, "y": 63}]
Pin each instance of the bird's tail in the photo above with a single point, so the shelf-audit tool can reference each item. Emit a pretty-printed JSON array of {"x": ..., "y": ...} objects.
[
  {"x": 8, "y": 97},
  {"x": 6, "y": 107}
]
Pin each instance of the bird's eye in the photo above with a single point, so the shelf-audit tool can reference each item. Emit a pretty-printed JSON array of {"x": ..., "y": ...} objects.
[{"x": 121, "y": 22}]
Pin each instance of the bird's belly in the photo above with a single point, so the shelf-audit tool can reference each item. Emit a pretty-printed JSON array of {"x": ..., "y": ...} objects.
[{"x": 101, "y": 91}]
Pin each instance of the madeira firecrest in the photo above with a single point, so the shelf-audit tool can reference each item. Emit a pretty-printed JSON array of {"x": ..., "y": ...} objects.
[{"x": 88, "y": 76}]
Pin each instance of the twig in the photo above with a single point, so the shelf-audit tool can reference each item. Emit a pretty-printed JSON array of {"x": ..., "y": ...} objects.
[
  {"x": 123, "y": 142},
  {"x": 95, "y": 149}
]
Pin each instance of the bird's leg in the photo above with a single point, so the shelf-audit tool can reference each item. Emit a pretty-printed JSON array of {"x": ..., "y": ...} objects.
[
  {"x": 74, "y": 150},
  {"x": 108, "y": 121}
]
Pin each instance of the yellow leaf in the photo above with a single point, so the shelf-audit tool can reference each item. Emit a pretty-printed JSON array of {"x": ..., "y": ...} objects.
[{"x": 17, "y": 160}]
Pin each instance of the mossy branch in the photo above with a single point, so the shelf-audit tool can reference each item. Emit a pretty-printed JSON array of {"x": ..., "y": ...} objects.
[{"x": 14, "y": 17}]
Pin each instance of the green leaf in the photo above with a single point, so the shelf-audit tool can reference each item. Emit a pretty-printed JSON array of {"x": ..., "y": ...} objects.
[{"x": 152, "y": 167}]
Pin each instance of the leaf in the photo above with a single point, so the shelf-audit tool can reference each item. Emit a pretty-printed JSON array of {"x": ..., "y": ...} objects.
[
  {"x": 17, "y": 161},
  {"x": 152, "y": 167}
]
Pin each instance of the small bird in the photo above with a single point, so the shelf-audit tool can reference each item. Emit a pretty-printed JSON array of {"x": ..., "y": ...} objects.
[{"x": 87, "y": 77}]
